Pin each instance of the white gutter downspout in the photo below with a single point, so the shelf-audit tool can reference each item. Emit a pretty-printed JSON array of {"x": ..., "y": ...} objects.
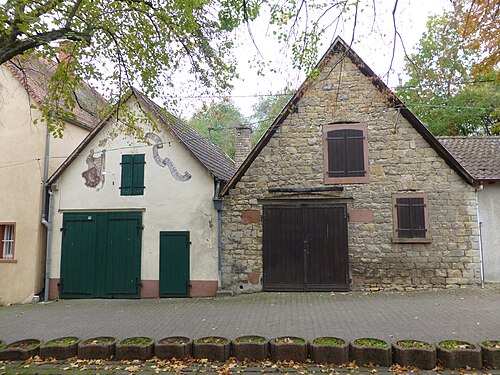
[
  {"x": 47, "y": 222},
  {"x": 480, "y": 223}
]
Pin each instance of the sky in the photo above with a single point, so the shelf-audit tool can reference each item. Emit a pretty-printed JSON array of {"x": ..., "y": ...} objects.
[{"x": 373, "y": 42}]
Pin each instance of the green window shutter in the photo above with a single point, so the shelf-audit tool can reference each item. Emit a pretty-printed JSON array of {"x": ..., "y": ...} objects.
[
  {"x": 132, "y": 182},
  {"x": 127, "y": 167},
  {"x": 138, "y": 175}
]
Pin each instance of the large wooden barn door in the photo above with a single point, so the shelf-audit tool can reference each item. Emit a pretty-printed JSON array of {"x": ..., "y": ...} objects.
[
  {"x": 101, "y": 255},
  {"x": 305, "y": 248}
]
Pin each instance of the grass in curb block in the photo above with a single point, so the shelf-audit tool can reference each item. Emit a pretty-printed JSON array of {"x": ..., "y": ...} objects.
[
  {"x": 455, "y": 345},
  {"x": 136, "y": 341},
  {"x": 99, "y": 341},
  {"x": 289, "y": 340},
  {"x": 63, "y": 341},
  {"x": 24, "y": 345},
  {"x": 212, "y": 340},
  {"x": 333, "y": 341},
  {"x": 174, "y": 340},
  {"x": 250, "y": 339},
  {"x": 414, "y": 344},
  {"x": 371, "y": 342},
  {"x": 493, "y": 344}
]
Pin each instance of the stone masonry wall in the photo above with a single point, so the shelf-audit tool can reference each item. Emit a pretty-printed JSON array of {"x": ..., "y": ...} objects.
[{"x": 400, "y": 160}]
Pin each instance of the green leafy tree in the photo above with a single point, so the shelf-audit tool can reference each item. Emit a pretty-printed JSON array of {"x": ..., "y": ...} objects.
[
  {"x": 266, "y": 110},
  {"x": 479, "y": 25},
  {"x": 145, "y": 43},
  {"x": 477, "y": 107},
  {"x": 441, "y": 90},
  {"x": 218, "y": 122},
  {"x": 138, "y": 42}
]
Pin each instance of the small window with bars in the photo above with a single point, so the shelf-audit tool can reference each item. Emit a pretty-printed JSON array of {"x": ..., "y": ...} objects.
[
  {"x": 345, "y": 153},
  {"x": 7, "y": 233},
  {"x": 411, "y": 219}
]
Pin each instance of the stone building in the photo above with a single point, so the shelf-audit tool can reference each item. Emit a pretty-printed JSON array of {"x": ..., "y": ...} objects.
[
  {"x": 347, "y": 189},
  {"x": 480, "y": 156}
]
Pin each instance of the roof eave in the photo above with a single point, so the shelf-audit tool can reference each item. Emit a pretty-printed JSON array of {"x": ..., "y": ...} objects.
[
  {"x": 488, "y": 180},
  {"x": 76, "y": 152},
  {"x": 32, "y": 93},
  {"x": 80, "y": 124},
  {"x": 436, "y": 145}
]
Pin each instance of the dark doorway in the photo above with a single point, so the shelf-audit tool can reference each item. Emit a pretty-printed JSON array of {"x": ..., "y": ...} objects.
[{"x": 305, "y": 247}]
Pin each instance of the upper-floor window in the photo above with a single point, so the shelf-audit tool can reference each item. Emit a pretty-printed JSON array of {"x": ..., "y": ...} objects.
[
  {"x": 132, "y": 182},
  {"x": 7, "y": 234},
  {"x": 345, "y": 150},
  {"x": 410, "y": 218}
]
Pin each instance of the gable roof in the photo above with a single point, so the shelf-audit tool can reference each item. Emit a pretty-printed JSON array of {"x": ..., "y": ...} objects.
[
  {"x": 340, "y": 46},
  {"x": 34, "y": 74},
  {"x": 209, "y": 155},
  {"x": 480, "y": 156}
]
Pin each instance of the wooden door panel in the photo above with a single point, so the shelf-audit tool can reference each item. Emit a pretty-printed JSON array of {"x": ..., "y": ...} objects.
[
  {"x": 122, "y": 255},
  {"x": 327, "y": 260},
  {"x": 284, "y": 254},
  {"x": 174, "y": 264},
  {"x": 78, "y": 255}
]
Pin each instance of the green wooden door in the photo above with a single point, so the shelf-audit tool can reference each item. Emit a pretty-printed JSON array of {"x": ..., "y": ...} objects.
[
  {"x": 174, "y": 264},
  {"x": 77, "y": 279},
  {"x": 101, "y": 255},
  {"x": 122, "y": 275}
]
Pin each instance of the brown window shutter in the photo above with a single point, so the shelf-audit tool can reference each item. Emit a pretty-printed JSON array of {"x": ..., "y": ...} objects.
[
  {"x": 336, "y": 153},
  {"x": 346, "y": 153},
  {"x": 355, "y": 158},
  {"x": 411, "y": 218}
]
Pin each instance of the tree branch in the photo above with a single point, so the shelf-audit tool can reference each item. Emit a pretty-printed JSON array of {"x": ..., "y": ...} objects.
[
  {"x": 395, "y": 35},
  {"x": 18, "y": 47},
  {"x": 72, "y": 13}
]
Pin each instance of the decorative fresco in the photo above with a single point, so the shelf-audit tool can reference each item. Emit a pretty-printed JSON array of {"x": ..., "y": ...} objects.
[
  {"x": 95, "y": 167},
  {"x": 166, "y": 162}
]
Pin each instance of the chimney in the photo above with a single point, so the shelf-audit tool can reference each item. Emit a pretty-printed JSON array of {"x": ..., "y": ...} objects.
[
  {"x": 243, "y": 144},
  {"x": 65, "y": 52}
]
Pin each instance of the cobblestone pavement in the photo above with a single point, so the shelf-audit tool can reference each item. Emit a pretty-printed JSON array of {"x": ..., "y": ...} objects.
[{"x": 469, "y": 314}]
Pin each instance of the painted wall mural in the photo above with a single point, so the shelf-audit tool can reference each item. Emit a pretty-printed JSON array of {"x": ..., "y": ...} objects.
[
  {"x": 95, "y": 167},
  {"x": 165, "y": 162}
]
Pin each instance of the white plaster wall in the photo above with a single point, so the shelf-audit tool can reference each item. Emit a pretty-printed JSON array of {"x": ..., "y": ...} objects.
[
  {"x": 61, "y": 148},
  {"x": 489, "y": 212},
  {"x": 22, "y": 145},
  {"x": 167, "y": 204}
]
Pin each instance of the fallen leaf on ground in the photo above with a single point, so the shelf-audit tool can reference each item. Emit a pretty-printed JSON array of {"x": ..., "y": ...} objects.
[{"x": 133, "y": 368}]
